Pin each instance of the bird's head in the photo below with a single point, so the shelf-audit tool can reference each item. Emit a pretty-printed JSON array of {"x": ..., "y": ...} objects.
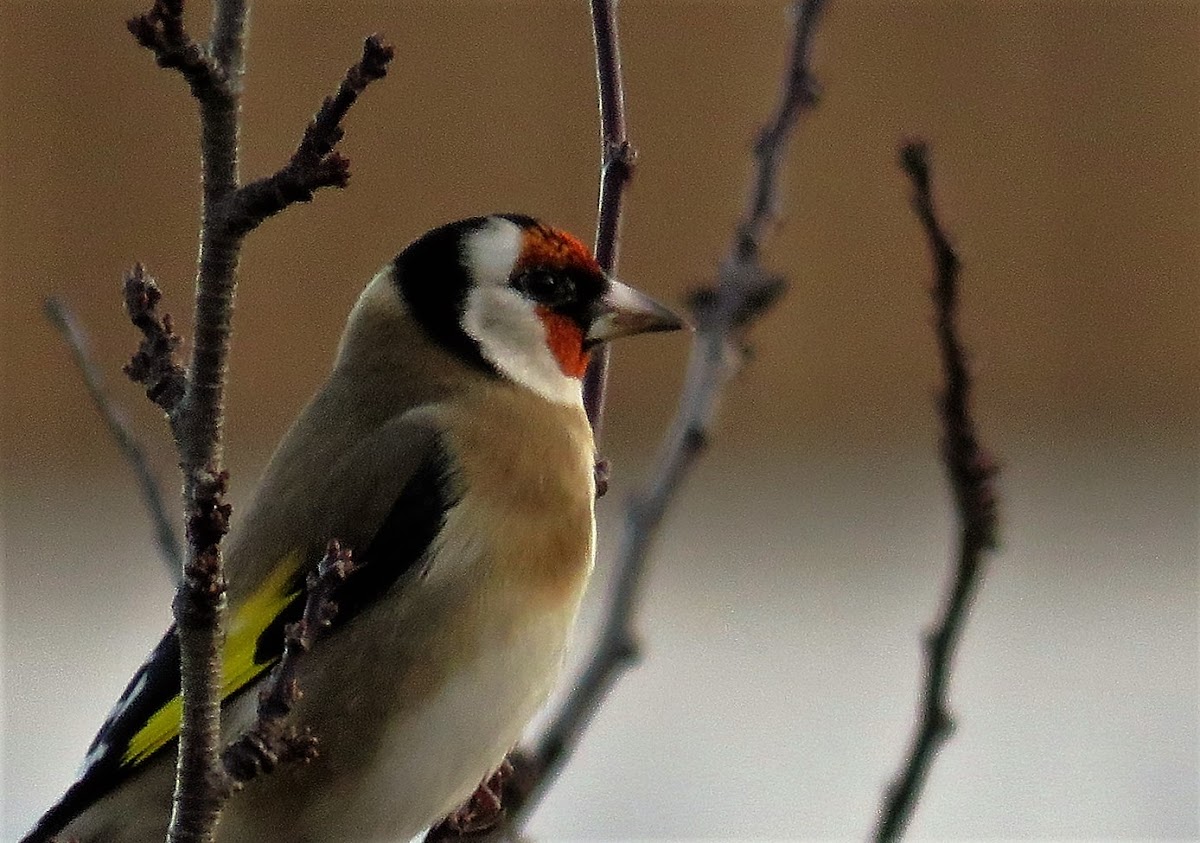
[{"x": 521, "y": 300}]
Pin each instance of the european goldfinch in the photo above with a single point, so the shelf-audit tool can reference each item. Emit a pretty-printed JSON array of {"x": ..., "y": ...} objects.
[{"x": 450, "y": 450}]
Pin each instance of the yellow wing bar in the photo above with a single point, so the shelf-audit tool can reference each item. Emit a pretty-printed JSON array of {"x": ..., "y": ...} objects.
[{"x": 249, "y": 622}]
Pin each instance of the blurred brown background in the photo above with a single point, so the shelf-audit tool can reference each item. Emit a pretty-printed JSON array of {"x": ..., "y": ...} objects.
[{"x": 801, "y": 564}]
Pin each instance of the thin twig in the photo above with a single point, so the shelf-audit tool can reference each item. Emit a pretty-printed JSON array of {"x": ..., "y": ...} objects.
[
  {"x": 616, "y": 169},
  {"x": 228, "y": 38},
  {"x": 273, "y": 738},
  {"x": 314, "y": 164},
  {"x": 724, "y": 313},
  {"x": 971, "y": 470},
  {"x": 63, "y": 319}
]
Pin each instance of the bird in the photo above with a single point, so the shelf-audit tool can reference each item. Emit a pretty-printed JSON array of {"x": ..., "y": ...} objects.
[{"x": 450, "y": 449}]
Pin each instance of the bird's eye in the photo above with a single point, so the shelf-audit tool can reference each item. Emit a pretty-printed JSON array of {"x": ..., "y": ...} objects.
[{"x": 548, "y": 288}]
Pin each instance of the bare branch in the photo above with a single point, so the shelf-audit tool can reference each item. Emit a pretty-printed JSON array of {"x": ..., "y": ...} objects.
[
  {"x": 161, "y": 31},
  {"x": 63, "y": 319},
  {"x": 971, "y": 471},
  {"x": 724, "y": 313},
  {"x": 616, "y": 169},
  {"x": 197, "y": 412},
  {"x": 155, "y": 364},
  {"x": 198, "y": 424},
  {"x": 314, "y": 164},
  {"x": 273, "y": 739},
  {"x": 195, "y": 402}
]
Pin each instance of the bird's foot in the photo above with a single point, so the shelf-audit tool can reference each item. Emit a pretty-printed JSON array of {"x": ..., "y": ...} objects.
[{"x": 484, "y": 810}]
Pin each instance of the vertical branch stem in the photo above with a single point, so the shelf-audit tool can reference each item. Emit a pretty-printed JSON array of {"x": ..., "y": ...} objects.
[
  {"x": 200, "y": 601},
  {"x": 195, "y": 400},
  {"x": 616, "y": 169},
  {"x": 799, "y": 94}
]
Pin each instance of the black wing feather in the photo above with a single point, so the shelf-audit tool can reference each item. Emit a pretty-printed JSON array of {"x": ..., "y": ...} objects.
[
  {"x": 397, "y": 549},
  {"x": 153, "y": 686}
]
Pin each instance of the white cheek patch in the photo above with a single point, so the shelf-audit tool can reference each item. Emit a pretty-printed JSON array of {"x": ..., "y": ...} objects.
[
  {"x": 513, "y": 339},
  {"x": 492, "y": 251},
  {"x": 510, "y": 335}
]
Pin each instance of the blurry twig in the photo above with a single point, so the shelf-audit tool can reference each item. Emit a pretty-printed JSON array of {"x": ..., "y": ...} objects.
[
  {"x": 724, "y": 313},
  {"x": 63, "y": 319},
  {"x": 971, "y": 470}
]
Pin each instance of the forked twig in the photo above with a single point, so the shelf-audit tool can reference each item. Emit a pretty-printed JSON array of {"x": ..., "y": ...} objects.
[
  {"x": 63, "y": 319},
  {"x": 971, "y": 470}
]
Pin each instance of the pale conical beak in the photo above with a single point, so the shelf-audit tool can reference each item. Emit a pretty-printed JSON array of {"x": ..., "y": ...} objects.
[{"x": 623, "y": 311}]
